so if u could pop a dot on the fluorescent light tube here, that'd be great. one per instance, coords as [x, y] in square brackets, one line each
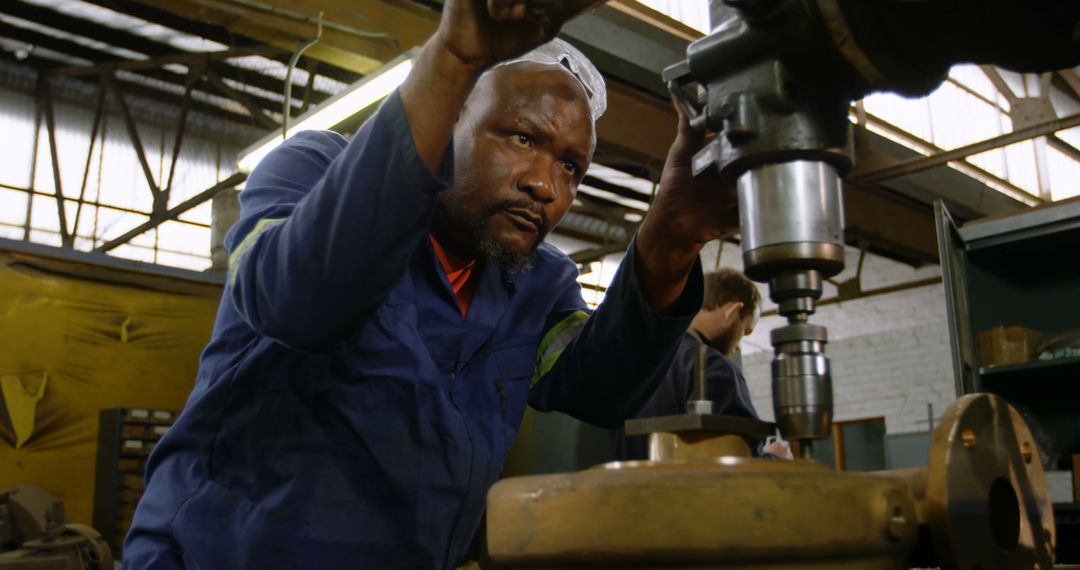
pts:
[358, 96]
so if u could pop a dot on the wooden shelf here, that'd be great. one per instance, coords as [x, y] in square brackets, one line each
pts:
[1058, 367]
[1042, 386]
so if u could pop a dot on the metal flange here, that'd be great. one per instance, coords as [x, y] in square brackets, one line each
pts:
[987, 502]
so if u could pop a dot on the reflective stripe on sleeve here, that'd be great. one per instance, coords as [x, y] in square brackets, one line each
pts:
[555, 342]
[248, 241]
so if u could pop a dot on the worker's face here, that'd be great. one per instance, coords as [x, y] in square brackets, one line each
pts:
[732, 326]
[743, 327]
[522, 145]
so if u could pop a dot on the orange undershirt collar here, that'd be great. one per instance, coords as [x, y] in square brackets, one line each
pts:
[459, 272]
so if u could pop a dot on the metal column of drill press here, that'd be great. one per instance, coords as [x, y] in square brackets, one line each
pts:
[787, 173]
[792, 223]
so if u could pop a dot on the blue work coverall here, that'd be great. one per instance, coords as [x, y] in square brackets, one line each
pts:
[724, 382]
[345, 414]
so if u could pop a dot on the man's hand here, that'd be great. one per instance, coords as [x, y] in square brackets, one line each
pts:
[691, 209]
[778, 447]
[482, 34]
[472, 36]
[688, 212]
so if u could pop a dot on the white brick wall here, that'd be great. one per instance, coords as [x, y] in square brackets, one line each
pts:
[893, 374]
[890, 354]
[902, 309]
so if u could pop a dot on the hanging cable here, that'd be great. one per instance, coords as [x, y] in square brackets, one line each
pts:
[302, 17]
[288, 74]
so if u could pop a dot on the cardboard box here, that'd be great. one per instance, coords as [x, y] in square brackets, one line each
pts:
[1007, 345]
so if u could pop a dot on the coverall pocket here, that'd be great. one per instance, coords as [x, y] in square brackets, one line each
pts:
[516, 367]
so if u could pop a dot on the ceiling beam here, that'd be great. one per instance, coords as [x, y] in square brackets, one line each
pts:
[999, 83]
[655, 19]
[213, 33]
[139, 44]
[890, 225]
[919, 164]
[637, 128]
[620, 191]
[349, 50]
[1063, 147]
[158, 218]
[256, 113]
[1072, 80]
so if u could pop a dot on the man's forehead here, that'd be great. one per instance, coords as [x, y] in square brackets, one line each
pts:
[542, 99]
[527, 83]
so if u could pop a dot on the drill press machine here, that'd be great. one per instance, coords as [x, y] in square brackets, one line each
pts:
[774, 80]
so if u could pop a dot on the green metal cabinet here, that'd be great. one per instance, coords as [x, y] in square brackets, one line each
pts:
[1020, 269]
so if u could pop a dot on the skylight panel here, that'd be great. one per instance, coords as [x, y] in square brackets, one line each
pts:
[79, 40]
[138, 26]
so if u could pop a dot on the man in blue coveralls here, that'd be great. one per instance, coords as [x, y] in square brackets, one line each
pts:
[391, 309]
[730, 311]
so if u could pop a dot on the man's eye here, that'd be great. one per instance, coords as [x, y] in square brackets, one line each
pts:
[523, 140]
[570, 167]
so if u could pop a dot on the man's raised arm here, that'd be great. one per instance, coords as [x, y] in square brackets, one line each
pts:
[327, 229]
[602, 368]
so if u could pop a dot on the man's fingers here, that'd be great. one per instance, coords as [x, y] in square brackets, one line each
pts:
[689, 140]
[684, 120]
[678, 109]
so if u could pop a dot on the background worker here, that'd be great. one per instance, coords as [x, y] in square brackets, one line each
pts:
[391, 307]
[730, 311]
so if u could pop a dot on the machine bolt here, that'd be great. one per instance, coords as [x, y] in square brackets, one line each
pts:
[1026, 452]
[897, 524]
[968, 438]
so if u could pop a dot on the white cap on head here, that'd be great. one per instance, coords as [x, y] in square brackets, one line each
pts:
[558, 52]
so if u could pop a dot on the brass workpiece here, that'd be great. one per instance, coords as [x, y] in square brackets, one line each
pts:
[729, 512]
[666, 446]
[982, 502]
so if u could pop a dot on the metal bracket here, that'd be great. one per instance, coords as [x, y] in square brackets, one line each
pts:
[734, 425]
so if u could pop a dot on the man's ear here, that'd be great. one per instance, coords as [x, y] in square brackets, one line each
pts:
[731, 311]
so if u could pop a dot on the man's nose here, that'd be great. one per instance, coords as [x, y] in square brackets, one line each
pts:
[537, 180]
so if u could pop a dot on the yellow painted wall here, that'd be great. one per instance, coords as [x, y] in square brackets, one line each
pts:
[85, 337]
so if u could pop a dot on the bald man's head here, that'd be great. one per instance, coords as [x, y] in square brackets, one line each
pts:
[551, 88]
[521, 147]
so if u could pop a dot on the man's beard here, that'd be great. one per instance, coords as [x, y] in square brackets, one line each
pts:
[490, 247]
[725, 342]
